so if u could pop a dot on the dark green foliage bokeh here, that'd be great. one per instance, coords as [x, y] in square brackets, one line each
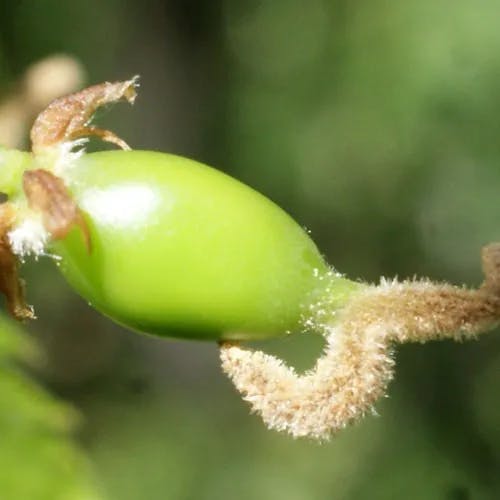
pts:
[376, 124]
[37, 459]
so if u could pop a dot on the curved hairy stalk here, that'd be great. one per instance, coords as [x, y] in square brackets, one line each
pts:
[357, 363]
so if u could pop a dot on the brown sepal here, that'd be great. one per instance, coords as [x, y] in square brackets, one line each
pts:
[11, 286]
[47, 194]
[68, 117]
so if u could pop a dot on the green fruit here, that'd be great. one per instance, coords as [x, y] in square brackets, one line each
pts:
[181, 249]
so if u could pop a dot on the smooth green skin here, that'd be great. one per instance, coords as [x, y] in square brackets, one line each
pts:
[212, 259]
[181, 249]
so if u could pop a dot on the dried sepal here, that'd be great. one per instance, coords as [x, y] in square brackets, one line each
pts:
[68, 118]
[11, 286]
[47, 194]
[43, 81]
[357, 363]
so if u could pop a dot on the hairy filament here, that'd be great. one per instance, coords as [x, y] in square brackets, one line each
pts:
[357, 363]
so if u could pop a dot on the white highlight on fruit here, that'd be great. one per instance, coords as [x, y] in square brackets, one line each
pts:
[29, 238]
[126, 205]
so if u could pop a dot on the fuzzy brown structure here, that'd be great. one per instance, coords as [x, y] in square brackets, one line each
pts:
[357, 363]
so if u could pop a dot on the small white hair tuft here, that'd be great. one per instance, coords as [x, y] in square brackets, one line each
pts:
[29, 237]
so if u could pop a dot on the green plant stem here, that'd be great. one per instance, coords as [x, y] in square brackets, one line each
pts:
[12, 165]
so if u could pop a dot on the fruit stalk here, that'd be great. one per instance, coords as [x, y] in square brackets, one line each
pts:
[358, 363]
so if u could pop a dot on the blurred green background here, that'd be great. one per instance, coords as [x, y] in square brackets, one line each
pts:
[376, 124]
